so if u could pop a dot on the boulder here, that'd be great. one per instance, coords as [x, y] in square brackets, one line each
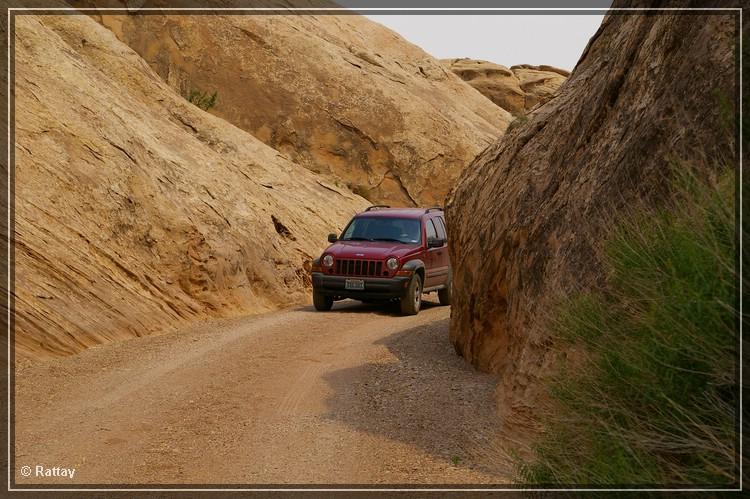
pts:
[138, 212]
[341, 95]
[517, 89]
[529, 215]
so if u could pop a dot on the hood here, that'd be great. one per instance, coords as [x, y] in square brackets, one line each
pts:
[370, 250]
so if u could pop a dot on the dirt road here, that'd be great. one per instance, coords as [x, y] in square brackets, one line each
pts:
[358, 395]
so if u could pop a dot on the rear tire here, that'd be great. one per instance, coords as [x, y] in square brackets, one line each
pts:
[322, 302]
[445, 295]
[412, 299]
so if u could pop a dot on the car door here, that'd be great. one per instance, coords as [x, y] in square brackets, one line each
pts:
[435, 274]
[429, 255]
[441, 262]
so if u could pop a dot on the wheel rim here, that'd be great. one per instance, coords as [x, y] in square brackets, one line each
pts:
[417, 295]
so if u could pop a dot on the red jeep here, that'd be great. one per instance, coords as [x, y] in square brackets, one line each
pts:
[385, 254]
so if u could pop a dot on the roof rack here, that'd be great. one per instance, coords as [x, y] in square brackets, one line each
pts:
[377, 207]
[438, 208]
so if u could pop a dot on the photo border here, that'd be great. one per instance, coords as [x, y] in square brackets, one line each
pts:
[12, 11]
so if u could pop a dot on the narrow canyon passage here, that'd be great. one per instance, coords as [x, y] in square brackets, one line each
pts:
[358, 395]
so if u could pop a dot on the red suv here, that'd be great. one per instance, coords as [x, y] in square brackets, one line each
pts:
[385, 254]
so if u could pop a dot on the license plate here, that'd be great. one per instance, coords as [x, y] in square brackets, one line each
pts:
[354, 284]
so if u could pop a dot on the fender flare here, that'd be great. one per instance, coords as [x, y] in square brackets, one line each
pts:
[414, 265]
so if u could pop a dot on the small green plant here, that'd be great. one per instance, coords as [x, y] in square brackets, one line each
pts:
[653, 398]
[202, 99]
[520, 120]
[360, 190]
[455, 460]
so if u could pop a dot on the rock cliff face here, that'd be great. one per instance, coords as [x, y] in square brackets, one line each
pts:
[529, 213]
[337, 94]
[135, 210]
[517, 89]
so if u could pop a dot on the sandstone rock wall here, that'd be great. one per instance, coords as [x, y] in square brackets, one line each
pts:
[529, 214]
[517, 89]
[337, 94]
[135, 210]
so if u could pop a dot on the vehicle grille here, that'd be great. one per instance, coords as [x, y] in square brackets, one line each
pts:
[359, 267]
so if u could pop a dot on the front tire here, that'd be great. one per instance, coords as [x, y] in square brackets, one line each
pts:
[322, 302]
[412, 299]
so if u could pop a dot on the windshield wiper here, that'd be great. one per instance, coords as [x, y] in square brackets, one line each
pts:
[388, 239]
[357, 239]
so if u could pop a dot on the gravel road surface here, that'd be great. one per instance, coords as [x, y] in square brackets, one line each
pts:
[358, 395]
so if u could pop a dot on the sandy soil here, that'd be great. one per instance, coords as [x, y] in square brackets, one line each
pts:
[358, 395]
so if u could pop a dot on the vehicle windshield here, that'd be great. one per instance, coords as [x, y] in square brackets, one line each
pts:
[401, 230]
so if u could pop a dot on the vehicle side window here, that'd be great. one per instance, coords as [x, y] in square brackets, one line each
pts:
[440, 226]
[430, 229]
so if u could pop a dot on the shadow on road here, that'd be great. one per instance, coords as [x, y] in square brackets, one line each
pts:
[426, 397]
[357, 307]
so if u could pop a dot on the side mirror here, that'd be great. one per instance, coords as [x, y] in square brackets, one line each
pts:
[435, 243]
[332, 238]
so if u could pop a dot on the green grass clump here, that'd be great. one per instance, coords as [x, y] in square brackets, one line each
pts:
[360, 190]
[652, 397]
[518, 121]
[202, 99]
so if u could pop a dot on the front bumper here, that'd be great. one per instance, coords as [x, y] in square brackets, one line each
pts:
[376, 288]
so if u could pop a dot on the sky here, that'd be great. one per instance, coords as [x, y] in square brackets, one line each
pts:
[557, 40]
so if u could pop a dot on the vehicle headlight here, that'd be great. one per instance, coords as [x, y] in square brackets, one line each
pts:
[327, 261]
[392, 263]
